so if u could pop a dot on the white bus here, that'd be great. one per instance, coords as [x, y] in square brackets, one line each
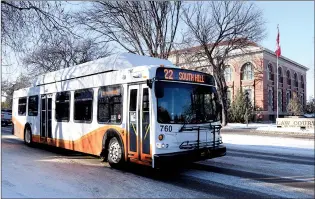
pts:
[123, 108]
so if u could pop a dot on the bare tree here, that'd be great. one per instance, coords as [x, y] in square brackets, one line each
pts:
[62, 53]
[25, 22]
[7, 88]
[222, 28]
[141, 27]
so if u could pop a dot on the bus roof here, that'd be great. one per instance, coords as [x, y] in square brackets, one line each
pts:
[106, 64]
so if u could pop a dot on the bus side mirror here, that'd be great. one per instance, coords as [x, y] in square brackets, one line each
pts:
[149, 83]
[159, 90]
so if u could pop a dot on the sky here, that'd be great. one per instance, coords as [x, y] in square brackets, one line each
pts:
[296, 24]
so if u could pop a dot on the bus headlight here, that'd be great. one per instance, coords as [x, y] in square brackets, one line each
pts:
[161, 137]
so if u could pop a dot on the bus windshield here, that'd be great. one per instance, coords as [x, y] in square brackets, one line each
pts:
[180, 103]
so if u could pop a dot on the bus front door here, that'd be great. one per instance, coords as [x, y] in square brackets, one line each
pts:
[45, 117]
[139, 147]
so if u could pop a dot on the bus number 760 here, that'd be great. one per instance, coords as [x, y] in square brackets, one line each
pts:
[167, 128]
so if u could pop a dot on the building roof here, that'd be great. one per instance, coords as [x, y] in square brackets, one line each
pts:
[251, 44]
[110, 63]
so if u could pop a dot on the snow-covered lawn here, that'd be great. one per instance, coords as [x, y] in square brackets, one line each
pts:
[244, 126]
[266, 127]
[274, 128]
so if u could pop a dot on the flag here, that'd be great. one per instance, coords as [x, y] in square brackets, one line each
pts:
[278, 48]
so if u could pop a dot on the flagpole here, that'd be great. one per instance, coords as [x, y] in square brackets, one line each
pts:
[277, 79]
[277, 89]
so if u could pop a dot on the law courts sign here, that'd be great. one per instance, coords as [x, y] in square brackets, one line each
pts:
[307, 123]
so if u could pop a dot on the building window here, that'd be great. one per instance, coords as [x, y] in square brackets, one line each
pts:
[250, 95]
[228, 74]
[22, 106]
[288, 98]
[83, 105]
[33, 105]
[302, 100]
[229, 95]
[247, 71]
[302, 82]
[280, 100]
[110, 104]
[288, 77]
[296, 83]
[280, 78]
[270, 98]
[62, 113]
[269, 72]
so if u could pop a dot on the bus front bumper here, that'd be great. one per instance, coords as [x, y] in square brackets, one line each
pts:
[178, 158]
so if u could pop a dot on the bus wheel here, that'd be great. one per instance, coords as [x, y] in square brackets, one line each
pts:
[28, 136]
[115, 153]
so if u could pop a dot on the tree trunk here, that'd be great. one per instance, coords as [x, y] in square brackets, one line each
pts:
[224, 112]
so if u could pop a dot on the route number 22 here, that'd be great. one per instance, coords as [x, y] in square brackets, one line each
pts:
[168, 74]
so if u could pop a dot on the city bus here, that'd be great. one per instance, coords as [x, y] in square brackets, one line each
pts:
[123, 108]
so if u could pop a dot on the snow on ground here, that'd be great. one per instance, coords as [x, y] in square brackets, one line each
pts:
[289, 146]
[282, 129]
[266, 127]
[244, 126]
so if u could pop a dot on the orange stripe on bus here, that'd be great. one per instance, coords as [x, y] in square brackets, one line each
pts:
[18, 128]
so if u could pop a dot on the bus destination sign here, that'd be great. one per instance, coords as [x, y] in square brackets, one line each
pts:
[183, 75]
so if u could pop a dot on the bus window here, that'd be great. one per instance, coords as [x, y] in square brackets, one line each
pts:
[62, 113]
[109, 105]
[83, 104]
[22, 106]
[33, 105]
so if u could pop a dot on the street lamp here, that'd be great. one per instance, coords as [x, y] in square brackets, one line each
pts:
[246, 105]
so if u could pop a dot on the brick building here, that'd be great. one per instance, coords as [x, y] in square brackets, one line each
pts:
[254, 70]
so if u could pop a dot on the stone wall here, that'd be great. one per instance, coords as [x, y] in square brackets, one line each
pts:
[307, 123]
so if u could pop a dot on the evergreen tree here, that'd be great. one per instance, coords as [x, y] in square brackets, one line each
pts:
[295, 107]
[241, 108]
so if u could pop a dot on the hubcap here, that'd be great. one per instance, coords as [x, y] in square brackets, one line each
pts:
[28, 136]
[115, 152]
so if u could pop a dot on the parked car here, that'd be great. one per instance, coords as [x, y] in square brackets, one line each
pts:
[6, 117]
[311, 115]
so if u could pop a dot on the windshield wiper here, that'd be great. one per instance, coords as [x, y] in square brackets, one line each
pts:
[182, 128]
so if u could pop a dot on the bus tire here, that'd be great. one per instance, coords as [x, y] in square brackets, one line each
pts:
[28, 136]
[115, 153]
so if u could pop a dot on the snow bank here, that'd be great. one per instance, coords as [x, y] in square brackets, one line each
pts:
[244, 126]
[292, 129]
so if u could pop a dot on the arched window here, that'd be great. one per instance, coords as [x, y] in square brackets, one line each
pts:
[296, 83]
[288, 77]
[302, 82]
[228, 74]
[269, 72]
[247, 71]
[280, 78]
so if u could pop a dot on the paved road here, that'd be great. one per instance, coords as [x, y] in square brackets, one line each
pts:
[248, 171]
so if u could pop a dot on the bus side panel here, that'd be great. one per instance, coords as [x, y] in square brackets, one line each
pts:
[17, 121]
